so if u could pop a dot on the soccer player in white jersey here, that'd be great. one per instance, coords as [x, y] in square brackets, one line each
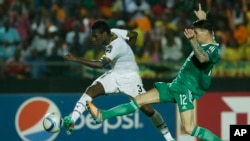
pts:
[122, 76]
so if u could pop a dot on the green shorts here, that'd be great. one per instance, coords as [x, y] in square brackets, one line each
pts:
[171, 92]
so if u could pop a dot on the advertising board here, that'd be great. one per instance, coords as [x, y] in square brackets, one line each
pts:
[23, 115]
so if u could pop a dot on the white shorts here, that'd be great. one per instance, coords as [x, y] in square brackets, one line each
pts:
[129, 83]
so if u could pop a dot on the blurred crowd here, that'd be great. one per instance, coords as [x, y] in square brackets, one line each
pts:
[36, 34]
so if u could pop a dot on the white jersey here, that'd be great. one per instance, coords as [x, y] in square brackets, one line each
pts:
[121, 54]
[124, 76]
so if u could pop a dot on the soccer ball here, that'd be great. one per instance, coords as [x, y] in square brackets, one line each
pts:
[52, 122]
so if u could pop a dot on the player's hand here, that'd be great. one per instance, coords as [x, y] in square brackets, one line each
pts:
[69, 124]
[200, 14]
[189, 33]
[70, 57]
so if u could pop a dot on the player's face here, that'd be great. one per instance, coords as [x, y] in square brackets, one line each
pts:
[97, 37]
[201, 35]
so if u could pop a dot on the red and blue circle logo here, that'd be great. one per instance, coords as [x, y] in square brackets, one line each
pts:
[29, 119]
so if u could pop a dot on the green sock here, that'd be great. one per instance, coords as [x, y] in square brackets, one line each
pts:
[204, 134]
[120, 110]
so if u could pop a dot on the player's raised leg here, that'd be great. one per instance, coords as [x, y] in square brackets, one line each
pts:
[151, 96]
[69, 121]
[120, 110]
[92, 91]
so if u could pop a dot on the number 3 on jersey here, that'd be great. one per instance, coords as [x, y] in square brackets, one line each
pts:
[139, 89]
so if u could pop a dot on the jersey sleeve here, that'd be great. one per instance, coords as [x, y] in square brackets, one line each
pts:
[213, 53]
[112, 51]
[121, 32]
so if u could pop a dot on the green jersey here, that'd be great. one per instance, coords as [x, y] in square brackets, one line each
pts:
[196, 76]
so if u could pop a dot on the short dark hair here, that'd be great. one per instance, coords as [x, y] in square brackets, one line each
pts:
[203, 24]
[101, 26]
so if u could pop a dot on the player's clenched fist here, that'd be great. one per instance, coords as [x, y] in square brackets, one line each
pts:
[70, 57]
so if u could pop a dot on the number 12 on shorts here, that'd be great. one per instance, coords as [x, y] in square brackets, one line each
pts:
[183, 99]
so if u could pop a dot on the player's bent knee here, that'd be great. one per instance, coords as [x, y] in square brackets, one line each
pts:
[95, 90]
[188, 129]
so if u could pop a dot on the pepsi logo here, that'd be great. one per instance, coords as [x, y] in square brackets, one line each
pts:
[29, 118]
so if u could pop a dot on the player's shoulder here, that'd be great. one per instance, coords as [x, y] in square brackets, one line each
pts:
[215, 46]
[211, 46]
[214, 52]
[117, 30]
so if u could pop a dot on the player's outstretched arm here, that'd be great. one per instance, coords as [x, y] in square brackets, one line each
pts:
[200, 14]
[89, 63]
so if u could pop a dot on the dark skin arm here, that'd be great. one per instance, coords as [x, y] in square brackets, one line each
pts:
[132, 37]
[97, 63]
[90, 63]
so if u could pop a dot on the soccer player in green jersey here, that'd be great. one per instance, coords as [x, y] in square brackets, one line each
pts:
[192, 81]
